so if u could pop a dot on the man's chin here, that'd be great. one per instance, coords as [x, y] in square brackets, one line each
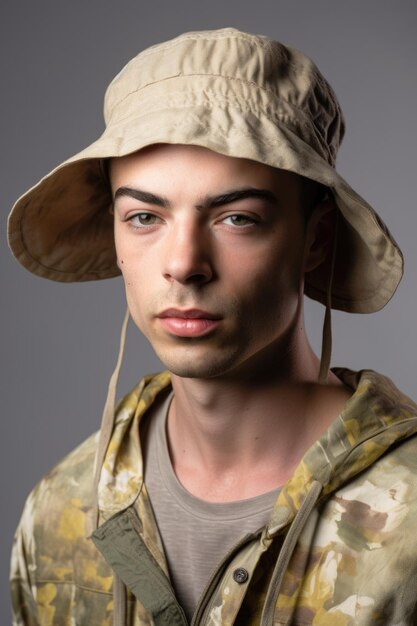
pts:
[202, 367]
[187, 370]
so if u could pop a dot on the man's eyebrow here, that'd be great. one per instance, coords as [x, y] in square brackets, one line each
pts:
[143, 196]
[210, 202]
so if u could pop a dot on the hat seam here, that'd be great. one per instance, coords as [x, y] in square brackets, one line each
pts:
[304, 122]
[212, 75]
[192, 36]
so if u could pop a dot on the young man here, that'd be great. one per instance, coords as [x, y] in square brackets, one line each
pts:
[248, 484]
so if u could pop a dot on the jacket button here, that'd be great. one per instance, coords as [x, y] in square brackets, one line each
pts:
[240, 575]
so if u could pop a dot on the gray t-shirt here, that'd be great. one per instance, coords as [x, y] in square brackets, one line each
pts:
[196, 534]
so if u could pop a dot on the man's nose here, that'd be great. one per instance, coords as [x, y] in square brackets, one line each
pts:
[187, 254]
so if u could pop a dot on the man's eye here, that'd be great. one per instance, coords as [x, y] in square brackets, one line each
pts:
[143, 219]
[238, 220]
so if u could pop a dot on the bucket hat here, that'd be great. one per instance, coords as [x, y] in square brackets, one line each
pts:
[238, 94]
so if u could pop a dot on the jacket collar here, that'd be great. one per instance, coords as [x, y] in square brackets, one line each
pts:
[376, 417]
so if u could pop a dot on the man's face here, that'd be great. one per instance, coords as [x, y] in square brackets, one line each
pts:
[211, 249]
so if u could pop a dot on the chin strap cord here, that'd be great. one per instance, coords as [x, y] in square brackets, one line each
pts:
[106, 430]
[293, 535]
[326, 346]
[107, 422]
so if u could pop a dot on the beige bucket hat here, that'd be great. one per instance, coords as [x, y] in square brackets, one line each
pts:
[238, 94]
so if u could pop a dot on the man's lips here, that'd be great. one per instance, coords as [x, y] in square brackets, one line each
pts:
[188, 322]
[192, 314]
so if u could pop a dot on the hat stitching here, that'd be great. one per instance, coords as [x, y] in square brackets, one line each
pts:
[302, 122]
[211, 75]
[224, 100]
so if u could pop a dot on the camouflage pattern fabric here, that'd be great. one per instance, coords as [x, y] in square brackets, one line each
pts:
[353, 562]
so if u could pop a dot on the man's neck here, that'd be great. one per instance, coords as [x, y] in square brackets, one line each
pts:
[232, 439]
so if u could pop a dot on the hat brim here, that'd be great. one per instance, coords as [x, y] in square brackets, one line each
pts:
[62, 228]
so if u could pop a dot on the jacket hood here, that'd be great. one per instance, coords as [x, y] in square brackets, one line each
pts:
[377, 417]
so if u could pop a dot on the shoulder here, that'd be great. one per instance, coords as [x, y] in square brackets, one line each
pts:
[72, 478]
[382, 460]
[389, 485]
[67, 485]
[372, 517]
[55, 568]
[54, 524]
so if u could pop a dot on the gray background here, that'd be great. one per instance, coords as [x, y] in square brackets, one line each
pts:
[59, 342]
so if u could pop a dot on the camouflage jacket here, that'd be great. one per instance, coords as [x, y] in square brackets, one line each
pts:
[340, 548]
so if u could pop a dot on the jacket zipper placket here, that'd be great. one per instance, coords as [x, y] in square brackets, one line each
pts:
[162, 574]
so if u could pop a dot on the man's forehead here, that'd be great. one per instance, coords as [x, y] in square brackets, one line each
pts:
[157, 173]
[195, 158]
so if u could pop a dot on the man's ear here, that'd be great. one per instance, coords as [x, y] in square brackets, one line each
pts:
[320, 233]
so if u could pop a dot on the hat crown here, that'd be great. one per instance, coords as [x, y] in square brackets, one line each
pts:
[274, 72]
